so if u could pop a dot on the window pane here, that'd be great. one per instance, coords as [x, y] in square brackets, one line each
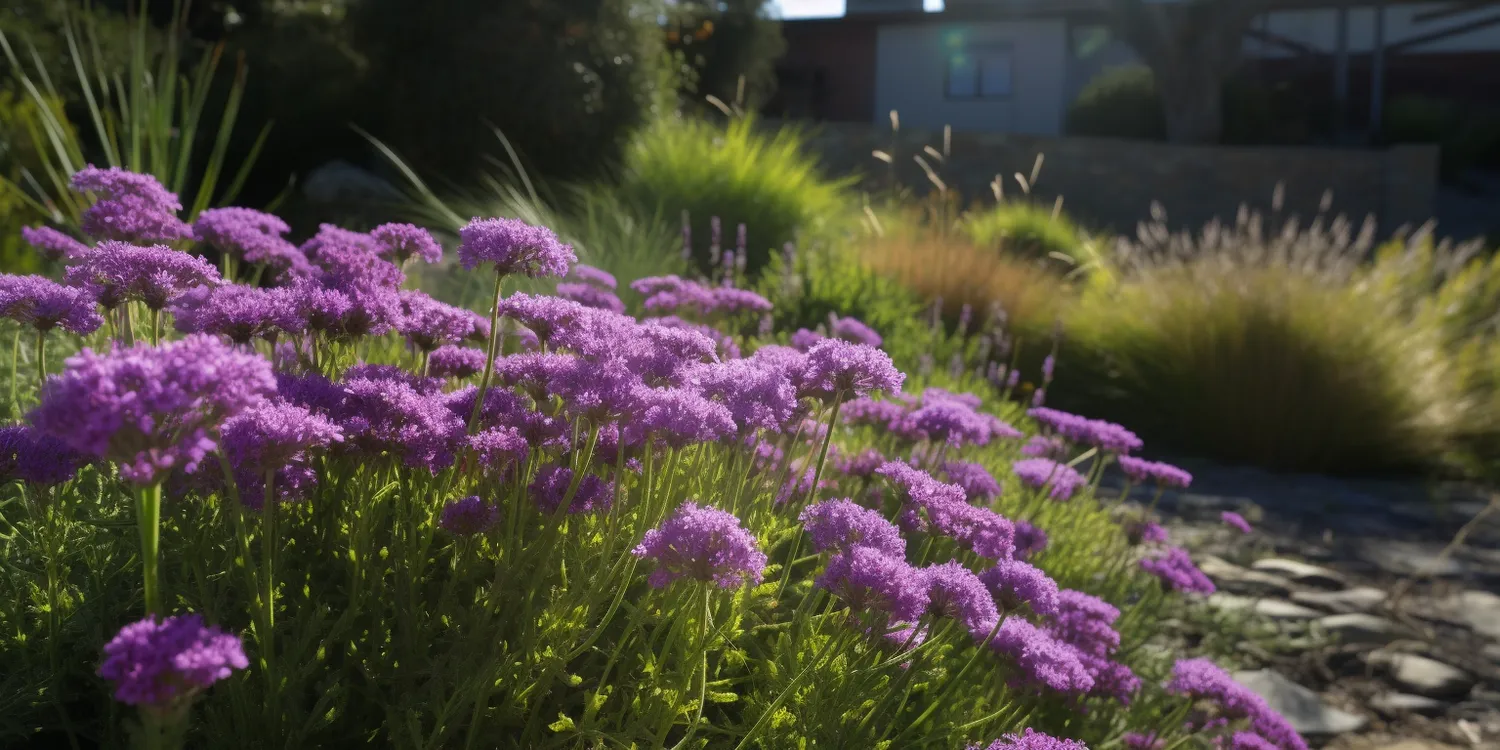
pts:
[994, 76]
[963, 76]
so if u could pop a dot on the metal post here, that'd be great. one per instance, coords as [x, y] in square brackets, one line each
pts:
[1377, 70]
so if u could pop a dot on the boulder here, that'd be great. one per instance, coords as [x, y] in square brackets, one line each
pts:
[341, 182]
[1418, 745]
[1481, 610]
[1396, 704]
[1360, 628]
[1410, 558]
[1357, 599]
[1306, 712]
[1280, 609]
[1419, 674]
[1301, 573]
[1237, 580]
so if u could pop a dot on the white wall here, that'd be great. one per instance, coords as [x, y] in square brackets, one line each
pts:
[911, 68]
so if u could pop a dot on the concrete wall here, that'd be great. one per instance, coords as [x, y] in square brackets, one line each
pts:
[912, 64]
[1108, 183]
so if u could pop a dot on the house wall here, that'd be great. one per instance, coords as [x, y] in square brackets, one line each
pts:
[828, 72]
[911, 69]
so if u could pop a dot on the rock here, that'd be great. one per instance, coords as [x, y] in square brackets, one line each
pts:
[1306, 712]
[1418, 745]
[1279, 609]
[1419, 674]
[1300, 572]
[1362, 628]
[1408, 558]
[1236, 580]
[1357, 599]
[1481, 610]
[1492, 652]
[341, 182]
[1229, 602]
[1395, 704]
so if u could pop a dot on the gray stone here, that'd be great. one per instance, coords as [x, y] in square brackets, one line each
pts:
[1279, 609]
[1418, 745]
[1421, 675]
[1300, 572]
[341, 182]
[1357, 599]
[1395, 704]
[1409, 558]
[1481, 610]
[1362, 628]
[1306, 712]
[1236, 580]
[1230, 602]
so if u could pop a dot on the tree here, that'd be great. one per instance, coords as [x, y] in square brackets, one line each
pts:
[1192, 47]
[718, 44]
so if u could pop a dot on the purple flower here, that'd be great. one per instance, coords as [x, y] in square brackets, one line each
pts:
[1040, 473]
[840, 369]
[391, 416]
[1029, 540]
[1039, 397]
[1203, 680]
[129, 206]
[678, 417]
[1247, 741]
[589, 295]
[514, 246]
[855, 332]
[784, 358]
[115, 272]
[704, 544]
[869, 580]
[499, 448]
[1139, 741]
[839, 525]
[602, 391]
[1044, 446]
[758, 397]
[240, 313]
[729, 300]
[270, 435]
[951, 422]
[868, 411]
[31, 456]
[428, 324]
[400, 242]
[804, 340]
[1165, 475]
[44, 304]
[53, 244]
[1031, 740]
[977, 482]
[1176, 570]
[1085, 622]
[331, 236]
[1049, 365]
[1013, 583]
[1144, 531]
[163, 664]
[350, 266]
[660, 354]
[469, 517]
[862, 465]
[451, 361]
[555, 321]
[150, 409]
[954, 591]
[1042, 660]
[251, 235]
[594, 493]
[591, 275]
[728, 349]
[1236, 521]
[1107, 436]
[534, 372]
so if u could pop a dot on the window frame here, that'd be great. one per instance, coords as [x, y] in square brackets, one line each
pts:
[978, 52]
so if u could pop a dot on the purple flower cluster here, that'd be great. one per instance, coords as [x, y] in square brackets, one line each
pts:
[1031, 740]
[53, 244]
[469, 516]
[116, 272]
[252, 236]
[451, 361]
[1087, 624]
[1165, 475]
[1203, 680]
[953, 591]
[594, 276]
[1107, 436]
[931, 505]
[551, 486]
[1236, 521]
[162, 664]
[129, 206]
[1046, 446]
[1176, 570]
[32, 456]
[1062, 480]
[1042, 660]
[402, 242]
[239, 313]
[870, 581]
[1030, 540]
[840, 369]
[803, 339]
[978, 484]
[428, 324]
[855, 332]
[1144, 531]
[514, 247]
[152, 409]
[589, 295]
[272, 436]
[44, 305]
[1014, 584]
[840, 525]
[672, 294]
[704, 544]
[757, 396]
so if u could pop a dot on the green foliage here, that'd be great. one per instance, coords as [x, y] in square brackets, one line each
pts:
[1121, 102]
[16, 158]
[1027, 230]
[1468, 136]
[728, 50]
[741, 173]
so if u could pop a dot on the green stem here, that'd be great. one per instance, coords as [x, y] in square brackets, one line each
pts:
[268, 554]
[787, 692]
[703, 669]
[148, 519]
[155, 327]
[127, 328]
[490, 353]
[15, 359]
[41, 361]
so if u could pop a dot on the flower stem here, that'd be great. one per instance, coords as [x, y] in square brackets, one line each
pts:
[15, 359]
[148, 519]
[41, 361]
[490, 353]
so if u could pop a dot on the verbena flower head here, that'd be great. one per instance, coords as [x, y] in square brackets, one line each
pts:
[1030, 540]
[589, 295]
[855, 332]
[1107, 436]
[593, 495]
[836, 367]
[1031, 740]
[151, 409]
[115, 272]
[514, 246]
[129, 206]
[784, 358]
[1236, 521]
[804, 340]
[1144, 531]
[758, 397]
[1143, 741]
[555, 321]
[954, 591]
[44, 304]
[349, 266]
[394, 417]
[1013, 584]
[253, 236]
[978, 484]
[240, 313]
[1062, 481]
[1046, 446]
[1203, 680]
[499, 448]
[678, 417]
[31, 456]
[1043, 661]
[591, 275]
[428, 324]
[332, 235]
[1085, 622]
[661, 355]
[728, 300]
[951, 422]
[727, 348]
[1176, 570]
[603, 391]
[862, 464]
[272, 434]
[53, 244]
[469, 516]
[401, 242]
[163, 664]
[870, 581]
[704, 544]
[1165, 475]
[452, 361]
[868, 411]
[840, 525]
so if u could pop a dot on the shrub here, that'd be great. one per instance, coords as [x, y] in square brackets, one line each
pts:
[1026, 230]
[740, 173]
[1467, 135]
[1121, 102]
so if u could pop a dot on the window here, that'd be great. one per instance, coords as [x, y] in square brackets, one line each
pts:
[982, 73]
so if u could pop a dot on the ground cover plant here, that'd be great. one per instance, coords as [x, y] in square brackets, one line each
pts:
[286, 501]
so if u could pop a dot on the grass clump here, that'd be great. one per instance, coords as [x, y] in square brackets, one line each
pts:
[1027, 230]
[739, 173]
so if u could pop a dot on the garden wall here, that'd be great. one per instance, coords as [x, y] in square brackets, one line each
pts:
[1111, 183]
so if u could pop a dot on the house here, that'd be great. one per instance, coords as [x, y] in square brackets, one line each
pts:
[1015, 65]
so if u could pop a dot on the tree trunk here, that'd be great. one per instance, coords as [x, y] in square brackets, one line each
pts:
[1193, 102]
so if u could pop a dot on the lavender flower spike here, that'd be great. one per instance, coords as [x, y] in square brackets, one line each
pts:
[704, 544]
